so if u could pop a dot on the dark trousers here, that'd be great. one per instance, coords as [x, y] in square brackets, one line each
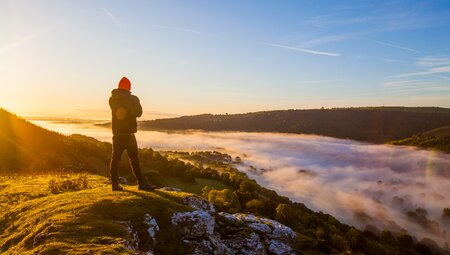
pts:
[120, 143]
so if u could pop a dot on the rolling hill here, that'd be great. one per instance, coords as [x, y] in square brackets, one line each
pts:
[371, 124]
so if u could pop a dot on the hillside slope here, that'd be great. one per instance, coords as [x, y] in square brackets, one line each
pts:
[27, 147]
[372, 124]
[438, 139]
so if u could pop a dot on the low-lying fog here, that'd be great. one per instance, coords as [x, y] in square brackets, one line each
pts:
[361, 184]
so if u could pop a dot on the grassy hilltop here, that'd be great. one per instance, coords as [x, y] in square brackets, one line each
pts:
[89, 221]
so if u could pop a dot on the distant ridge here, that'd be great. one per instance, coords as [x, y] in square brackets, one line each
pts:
[371, 124]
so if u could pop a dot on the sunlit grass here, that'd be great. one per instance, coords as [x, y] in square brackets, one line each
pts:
[78, 222]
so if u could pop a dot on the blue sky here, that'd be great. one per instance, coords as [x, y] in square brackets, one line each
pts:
[189, 57]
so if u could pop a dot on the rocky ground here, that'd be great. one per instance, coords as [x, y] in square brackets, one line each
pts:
[206, 231]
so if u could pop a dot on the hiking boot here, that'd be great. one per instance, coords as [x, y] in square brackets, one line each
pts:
[146, 186]
[117, 187]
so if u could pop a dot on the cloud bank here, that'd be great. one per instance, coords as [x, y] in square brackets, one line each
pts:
[390, 187]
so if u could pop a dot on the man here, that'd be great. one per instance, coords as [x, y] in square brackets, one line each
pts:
[125, 109]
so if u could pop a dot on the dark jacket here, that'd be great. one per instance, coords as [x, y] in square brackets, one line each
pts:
[125, 108]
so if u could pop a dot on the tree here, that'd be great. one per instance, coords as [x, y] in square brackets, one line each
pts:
[248, 186]
[255, 206]
[225, 200]
[388, 238]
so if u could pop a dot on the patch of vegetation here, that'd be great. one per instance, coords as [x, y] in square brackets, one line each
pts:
[436, 139]
[68, 183]
[196, 187]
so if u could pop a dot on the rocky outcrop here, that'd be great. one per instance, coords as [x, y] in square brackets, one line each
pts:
[131, 240]
[199, 204]
[194, 224]
[204, 231]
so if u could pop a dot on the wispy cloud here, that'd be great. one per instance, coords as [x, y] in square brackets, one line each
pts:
[323, 81]
[430, 71]
[322, 53]
[404, 83]
[179, 29]
[325, 21]
[393, 45]
[328, 39]
[430, 67]
[432, 76]
[111, 16]
[23, 40]
[433, 61]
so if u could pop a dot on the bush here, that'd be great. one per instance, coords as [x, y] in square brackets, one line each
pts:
[255, 206]
[248, 186]
[225, 200]
[63, 184]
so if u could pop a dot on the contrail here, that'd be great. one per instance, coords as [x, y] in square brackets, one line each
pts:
[322, 53]
[111, 16]
[393, 45]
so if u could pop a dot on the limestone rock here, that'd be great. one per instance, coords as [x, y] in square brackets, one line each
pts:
[261, 225]
[152, 225]
[199, 204]
[247, 245]
[194, 224]
[279, 248]
[223, 233]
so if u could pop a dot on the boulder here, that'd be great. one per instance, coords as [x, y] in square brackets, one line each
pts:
[224, 233]
[246, 243]
[194, 224]
[199, 203]
[279, 248]
[207, 246]
[152, 225]
[264, 226]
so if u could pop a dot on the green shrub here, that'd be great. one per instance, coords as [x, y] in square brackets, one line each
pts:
[255, 206]
[225, 200]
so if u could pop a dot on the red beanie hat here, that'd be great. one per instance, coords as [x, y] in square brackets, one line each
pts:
[125, 84]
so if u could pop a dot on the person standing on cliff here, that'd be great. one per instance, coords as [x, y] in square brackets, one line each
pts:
[125, 109]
